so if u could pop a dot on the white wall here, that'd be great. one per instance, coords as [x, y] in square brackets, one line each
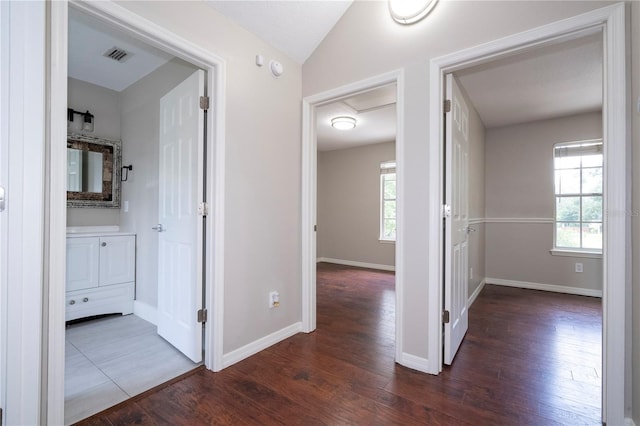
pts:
[262, 135]
[344, 56]
[519, 185]
[349, 205]
[140, 117]
[104, 105]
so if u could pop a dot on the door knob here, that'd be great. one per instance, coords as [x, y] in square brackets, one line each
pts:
[158, 228]
[470, 229]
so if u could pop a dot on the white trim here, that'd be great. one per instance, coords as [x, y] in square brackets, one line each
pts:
[261, 344]
[545, 287]
[23, 222]
[573, 253]
[477, 221]
[476, 293]
[413, 362]
[525, 220]
[92, 229]
[145, 311]
[157, 36]
[629, 422]
[357, 264]
[309, 182]
[53, 411]
[617, 242]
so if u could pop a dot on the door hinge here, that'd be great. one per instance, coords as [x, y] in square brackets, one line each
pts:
[315, 228]
[202, 315]
[203, 209]
[447, 106]
[446, 210]
[204, 102]
[445, 317]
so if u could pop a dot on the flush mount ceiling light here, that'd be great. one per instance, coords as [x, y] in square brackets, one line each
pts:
[410, 11]
[343, 123]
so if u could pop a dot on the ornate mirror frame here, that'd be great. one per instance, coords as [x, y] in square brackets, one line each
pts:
[111, 151]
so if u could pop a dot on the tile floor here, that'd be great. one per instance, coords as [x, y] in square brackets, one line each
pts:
[111, 359]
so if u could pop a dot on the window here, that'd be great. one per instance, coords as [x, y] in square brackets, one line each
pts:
[578, 196]
[388, 201]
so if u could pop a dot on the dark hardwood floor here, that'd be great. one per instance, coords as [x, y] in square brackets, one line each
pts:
[529, 358]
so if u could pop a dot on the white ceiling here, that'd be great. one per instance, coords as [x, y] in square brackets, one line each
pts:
[552, 81]
[90, 38]
[294, 27]
[374, 111]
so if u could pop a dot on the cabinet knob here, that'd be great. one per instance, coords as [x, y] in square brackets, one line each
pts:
[73, 302]
[103, 244]
[86, 299]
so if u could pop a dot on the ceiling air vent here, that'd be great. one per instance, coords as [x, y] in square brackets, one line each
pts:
[117, 54]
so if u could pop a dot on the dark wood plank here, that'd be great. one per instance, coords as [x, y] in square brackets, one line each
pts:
[529, 358]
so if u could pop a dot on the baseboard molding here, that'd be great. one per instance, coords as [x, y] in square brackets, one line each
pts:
[258, 345]
[629, 422]
[415, 363]
[357, 264]
[545, 287]
[476, 293]
[145, 311]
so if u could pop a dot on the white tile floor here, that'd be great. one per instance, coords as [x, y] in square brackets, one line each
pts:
[111, 359]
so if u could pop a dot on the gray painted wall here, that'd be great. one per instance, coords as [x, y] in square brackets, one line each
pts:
[349, 204]
[262, 170]
[104, 104]
[519, 185]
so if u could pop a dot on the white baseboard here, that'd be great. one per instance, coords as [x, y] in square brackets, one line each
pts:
[629, 422]
[545, 287]
[145, 311]
[263, 343]
[357, 264]
[476, 292]
[415, 363]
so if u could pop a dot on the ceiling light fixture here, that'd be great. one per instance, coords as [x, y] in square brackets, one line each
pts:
[410, 11]
[343, 123]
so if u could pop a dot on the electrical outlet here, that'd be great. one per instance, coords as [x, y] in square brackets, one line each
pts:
[274, 299]
[578, 267]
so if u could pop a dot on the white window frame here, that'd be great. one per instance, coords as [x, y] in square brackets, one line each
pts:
[574, 251]
[387, 168]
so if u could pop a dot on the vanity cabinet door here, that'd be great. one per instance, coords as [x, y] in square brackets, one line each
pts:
[82, 263]
[117, 259]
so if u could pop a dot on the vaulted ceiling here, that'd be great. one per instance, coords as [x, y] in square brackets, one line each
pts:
[551, 81]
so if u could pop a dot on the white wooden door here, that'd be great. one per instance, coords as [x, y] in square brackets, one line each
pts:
[457, 221]
[180, 227]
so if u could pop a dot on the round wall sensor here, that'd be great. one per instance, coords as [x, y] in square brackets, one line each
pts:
[276, 68]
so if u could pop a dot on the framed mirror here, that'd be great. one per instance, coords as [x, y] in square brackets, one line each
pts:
[93, 171]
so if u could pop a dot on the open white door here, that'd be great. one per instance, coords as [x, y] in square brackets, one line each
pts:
[456, 274]
[180, 228]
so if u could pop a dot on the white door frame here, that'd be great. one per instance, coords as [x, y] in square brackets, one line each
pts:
[22, 224]
[309, 191]
[617, 242]
[157, 36]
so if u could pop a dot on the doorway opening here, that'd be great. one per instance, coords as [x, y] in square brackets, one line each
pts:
[615, 240]
[175, 184]
[356, 213]
[372, 99]
[511, 194]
